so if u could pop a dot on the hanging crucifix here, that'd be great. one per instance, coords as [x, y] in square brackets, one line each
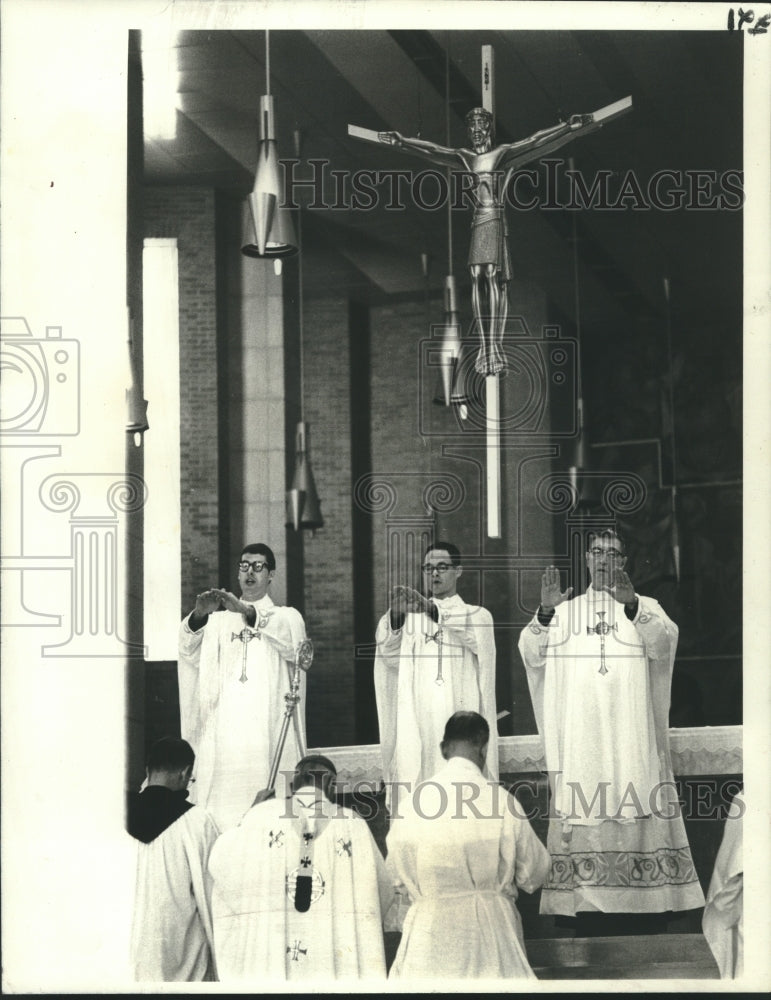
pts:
[489, 261]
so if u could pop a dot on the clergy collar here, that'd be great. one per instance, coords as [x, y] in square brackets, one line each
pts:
[264, 602]
[448, 602]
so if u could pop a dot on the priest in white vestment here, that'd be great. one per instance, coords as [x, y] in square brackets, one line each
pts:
[599, 668]
[171, 935]
[461, 851]
[300, 890]
[723, 919]
[236, 659]
[434, 656]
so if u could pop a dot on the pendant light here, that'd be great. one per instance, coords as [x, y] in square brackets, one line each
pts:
[452, 352]
[303, 504]
[269, 229]
[580, 459]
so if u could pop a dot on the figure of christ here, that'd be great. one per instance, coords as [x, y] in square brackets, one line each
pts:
[489, 259]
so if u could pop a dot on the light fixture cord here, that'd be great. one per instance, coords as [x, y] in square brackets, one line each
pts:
[301, 313]
[671, 380]
[577, 298]
[267, 61]
[449, 171]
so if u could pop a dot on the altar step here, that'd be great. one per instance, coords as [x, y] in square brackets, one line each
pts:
[647, 956]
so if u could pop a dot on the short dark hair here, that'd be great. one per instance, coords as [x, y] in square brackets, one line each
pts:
[467, 727]
[170, 754]
[452, 550]
[606, 533]
[259, 549]
[311, 769]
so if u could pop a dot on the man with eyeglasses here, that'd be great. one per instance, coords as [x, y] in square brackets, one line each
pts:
[236, 658]
[599, 668]
[435, 656]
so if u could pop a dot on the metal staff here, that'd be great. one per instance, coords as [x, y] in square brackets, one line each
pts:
[302, 661]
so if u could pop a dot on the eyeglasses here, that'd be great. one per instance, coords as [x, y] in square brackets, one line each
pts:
[439, 568]
[610, 553]
[245, 566]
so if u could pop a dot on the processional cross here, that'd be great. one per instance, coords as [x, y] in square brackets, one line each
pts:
[489, 260]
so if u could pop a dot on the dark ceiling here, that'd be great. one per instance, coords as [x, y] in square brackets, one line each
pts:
[687, 116]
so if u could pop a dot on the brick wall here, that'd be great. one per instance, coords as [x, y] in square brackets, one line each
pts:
[329, 585]
[415, 442]
[187, 213]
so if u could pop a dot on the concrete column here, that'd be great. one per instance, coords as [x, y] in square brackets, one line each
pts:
[256, 402]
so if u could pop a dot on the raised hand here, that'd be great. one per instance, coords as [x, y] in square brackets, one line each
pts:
[551, 595]
[230, 602]
[623, 588]
[207, 602]
[405, 599]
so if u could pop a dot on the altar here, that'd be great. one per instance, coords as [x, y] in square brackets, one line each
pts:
[697, 751]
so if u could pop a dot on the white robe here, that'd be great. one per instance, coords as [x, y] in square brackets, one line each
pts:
[259, 936]
[171, 933]
[461, 851]
[412, 707]
[723, 919]
[601, 703]
[234, 725]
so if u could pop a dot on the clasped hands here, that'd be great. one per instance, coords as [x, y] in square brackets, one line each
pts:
[217, 599]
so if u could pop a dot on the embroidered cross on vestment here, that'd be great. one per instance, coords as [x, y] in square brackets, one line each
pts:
[602, 628]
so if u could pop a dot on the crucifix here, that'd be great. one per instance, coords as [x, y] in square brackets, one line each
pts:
[247, 634]
[602, 628]
[489, 260]
[438, 638]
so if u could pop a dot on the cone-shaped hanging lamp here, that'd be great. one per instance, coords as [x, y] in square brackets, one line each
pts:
[136, 418]
[271, 233]
[136, 421]
[580, 458]
[461, 394]
[674, 536]
[303, 504]
[451, 340]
